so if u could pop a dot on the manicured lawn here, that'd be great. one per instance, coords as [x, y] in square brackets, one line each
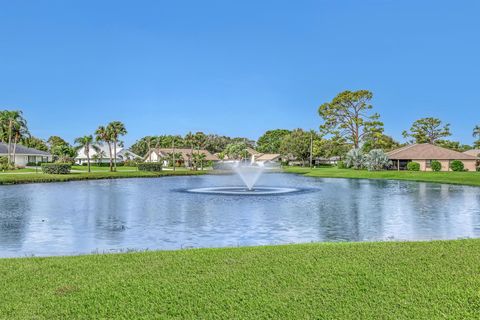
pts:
[423, 280]
[102, 169]
[15, 178]
[20, 170]
[467, 178]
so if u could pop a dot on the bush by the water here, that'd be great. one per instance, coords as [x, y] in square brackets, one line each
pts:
[355, 159]
[56, 168]
[457, 165]
[413, 166]
[436, 166]
[376, 160]
[4, 164]
[341, 165]
[150, 166]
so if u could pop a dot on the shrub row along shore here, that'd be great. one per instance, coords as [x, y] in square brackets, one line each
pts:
[21, 178]
[461, 178]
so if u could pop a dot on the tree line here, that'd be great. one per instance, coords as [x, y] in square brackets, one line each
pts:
[348, 122]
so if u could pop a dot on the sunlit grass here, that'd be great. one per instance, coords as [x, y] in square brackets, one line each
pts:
[423, 280]
[466, 178]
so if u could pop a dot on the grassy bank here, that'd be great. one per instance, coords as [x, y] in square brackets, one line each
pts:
[465, 178]
[424, 280]
[18, 178]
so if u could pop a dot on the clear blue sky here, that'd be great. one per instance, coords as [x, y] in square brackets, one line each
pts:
[236, 67]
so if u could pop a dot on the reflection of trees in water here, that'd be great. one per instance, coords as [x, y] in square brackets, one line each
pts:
[110, 223]
[14, 217]
[353, 212]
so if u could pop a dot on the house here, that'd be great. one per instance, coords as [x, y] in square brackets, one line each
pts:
[329, 161]
[101, 153]
[262, 158]
[185, 156]
[24, 155]
[425, 153]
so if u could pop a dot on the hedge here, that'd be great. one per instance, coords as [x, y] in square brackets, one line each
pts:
[436, 165]
[457, 165]
[56, 168]
[150, 166]
[413, 166]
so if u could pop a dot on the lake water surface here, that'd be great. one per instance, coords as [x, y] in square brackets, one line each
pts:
[114, 215]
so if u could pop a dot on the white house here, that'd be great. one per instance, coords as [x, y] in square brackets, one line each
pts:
[101, 153]
[24, 155]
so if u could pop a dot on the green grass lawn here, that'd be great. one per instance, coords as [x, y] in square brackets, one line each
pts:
[20, 170]
[466, 178]
[392, 280]
[16, 178]
[102, 169]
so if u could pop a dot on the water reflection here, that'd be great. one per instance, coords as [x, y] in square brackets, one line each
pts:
[82, 217]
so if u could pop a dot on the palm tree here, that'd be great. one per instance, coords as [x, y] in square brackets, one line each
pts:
[116, 129]
[20, 131]
[85, 142]
[190, 141]
[13, 125]
[476, 131]
[103, 135]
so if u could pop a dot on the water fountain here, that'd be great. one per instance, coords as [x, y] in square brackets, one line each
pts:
[249, 173]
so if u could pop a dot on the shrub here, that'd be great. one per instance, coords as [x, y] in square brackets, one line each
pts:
[457, 165]
[355, 159]
[436, 166]
[341, 165]
[130, 163]
[413, 166]
[376, 160]
[105, 164]
[150, 166]
[3, 163]
[34, 164]
[56, 168]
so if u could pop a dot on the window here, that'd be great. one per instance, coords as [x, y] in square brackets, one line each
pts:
[428, 163]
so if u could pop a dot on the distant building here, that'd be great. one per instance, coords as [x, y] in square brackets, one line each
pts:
[24, 155]
[185, 156]
[262, 158]
[425, 153]
[102, 154]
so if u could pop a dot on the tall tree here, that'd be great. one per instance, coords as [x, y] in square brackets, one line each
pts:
[382, 141]
[103, 135]
[116, 129]
[35, 143]
[12, 126]
[86, 143]
[271, 140]
[297, 144]
[428, 130]
[348, 115]
[476, 134]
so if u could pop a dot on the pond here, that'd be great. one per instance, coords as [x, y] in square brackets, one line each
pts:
[117, 215]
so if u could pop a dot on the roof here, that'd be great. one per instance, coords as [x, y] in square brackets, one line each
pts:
[103, 147]
[427, 151]
[266, 157]
[186, 153]
[22, 150]
[473, 152]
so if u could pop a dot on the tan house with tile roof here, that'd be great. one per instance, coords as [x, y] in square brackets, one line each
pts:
[425, 153]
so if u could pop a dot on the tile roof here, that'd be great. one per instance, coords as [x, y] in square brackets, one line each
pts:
[473, 152]
[427, 151]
